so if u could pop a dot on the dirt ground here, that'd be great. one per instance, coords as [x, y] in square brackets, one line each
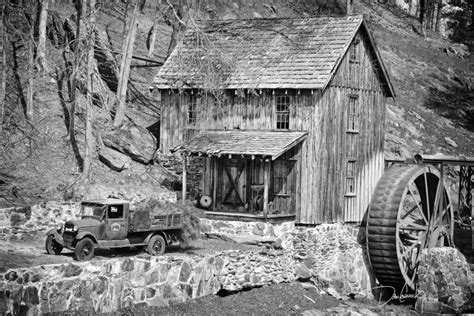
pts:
[30, 251]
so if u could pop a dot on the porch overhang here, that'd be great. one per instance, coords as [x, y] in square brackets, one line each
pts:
[255, 143]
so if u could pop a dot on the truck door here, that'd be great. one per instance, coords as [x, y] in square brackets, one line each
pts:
[116, 223]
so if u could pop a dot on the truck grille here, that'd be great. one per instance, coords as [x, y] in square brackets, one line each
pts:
[68, 227]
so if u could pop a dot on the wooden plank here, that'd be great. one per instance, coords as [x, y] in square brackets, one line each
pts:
[266, 186]
[184, 156]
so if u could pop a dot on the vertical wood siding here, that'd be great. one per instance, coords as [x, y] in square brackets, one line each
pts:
[320, 186]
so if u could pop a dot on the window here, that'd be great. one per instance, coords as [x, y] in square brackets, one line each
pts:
[115, 211]
[350, 177]
[283, 112]
[354, 52]
[353, 114]
[280, 176]
[192, 110]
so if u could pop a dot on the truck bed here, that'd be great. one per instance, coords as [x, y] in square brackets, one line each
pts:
[145, 221]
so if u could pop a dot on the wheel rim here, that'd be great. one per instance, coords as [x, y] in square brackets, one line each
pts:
[421, 223]
[157, 245]
[86, 250]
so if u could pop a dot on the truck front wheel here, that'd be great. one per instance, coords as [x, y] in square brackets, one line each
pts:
[156, 245]
[52, 246]
[84, 249]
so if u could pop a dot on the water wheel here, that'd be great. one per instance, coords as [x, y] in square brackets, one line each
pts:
[410, 210]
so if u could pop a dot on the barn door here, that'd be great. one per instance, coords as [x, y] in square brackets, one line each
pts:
[233, 177]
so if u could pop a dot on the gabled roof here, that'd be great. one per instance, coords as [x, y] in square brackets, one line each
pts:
[285, 53]
[271, 144]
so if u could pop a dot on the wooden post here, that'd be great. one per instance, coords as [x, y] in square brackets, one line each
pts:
[266, 186]
[215, 172]
[184, 175]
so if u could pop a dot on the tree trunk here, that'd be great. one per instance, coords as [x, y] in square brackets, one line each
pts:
[423, 16]
[4, 71]
[438, 15]
[41, 52]
[75, 70]
[127, 53]
[178, 23]
[90, 65]
[31, 66]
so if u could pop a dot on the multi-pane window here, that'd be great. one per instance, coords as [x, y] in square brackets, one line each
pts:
[350, 177]
[192, 110]
[280, 176]
[283, 112]
[353, 113]
[354, 51]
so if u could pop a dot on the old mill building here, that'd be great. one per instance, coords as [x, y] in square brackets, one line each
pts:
[286, 116]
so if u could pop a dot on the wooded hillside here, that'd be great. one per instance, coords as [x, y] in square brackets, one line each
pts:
[77, 117]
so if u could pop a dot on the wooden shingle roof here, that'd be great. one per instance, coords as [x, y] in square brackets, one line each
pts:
[242, 142]
[285, 53]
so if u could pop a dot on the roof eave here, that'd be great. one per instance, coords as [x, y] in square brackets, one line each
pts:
[388, 85]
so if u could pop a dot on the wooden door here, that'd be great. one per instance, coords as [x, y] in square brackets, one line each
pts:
[233, 184]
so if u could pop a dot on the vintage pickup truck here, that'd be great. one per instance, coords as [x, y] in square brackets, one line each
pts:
[110, 223]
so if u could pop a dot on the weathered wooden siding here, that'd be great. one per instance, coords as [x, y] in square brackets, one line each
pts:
[361, 79]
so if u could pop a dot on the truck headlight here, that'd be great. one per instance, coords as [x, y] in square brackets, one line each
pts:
[75, 228]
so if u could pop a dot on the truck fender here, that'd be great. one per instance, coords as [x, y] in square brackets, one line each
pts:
[57, 236]
[82, 235]
[163, 234]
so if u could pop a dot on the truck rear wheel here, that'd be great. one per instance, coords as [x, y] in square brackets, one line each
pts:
[156, 245]
[52, 246]
[84, 249]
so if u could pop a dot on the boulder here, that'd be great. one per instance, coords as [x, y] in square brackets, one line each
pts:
[113, 159]
[134, 141]
[444, 280]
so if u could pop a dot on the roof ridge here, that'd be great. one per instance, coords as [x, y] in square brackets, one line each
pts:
[284, 18]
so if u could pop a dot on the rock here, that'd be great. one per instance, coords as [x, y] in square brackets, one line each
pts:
[302, 272]
[331, 291]
[133, 140]
[114, 159]
[450, 142]
[444, 279]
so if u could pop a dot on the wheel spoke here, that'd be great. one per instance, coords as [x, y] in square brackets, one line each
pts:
[428, 207]
[413, 226]
[420, 209]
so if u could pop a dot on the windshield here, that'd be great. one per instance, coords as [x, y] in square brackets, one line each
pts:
[93, 210]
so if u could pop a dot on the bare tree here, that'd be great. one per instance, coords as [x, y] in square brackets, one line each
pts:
[31, 66]
[4, 69]
[41, 52]
[127, 52]
[176, 15]
[90, 66]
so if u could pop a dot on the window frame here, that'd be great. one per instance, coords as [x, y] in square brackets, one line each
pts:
[353, 121]
[354, 52]
[192, 110]
[350, 178]
[282, 114]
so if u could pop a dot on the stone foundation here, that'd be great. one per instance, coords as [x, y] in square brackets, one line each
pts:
[334, 257]
[327, 255]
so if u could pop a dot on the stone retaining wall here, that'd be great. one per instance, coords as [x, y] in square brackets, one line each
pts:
[106, 286]
[327, 255]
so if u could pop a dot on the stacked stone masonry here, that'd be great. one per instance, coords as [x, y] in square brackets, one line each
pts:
[327, 255]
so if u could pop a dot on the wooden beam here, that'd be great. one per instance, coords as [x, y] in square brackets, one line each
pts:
[185, 158]
[266, 187]
[215, 172]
